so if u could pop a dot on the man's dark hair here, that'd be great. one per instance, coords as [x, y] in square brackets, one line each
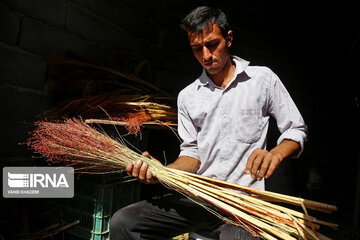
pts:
[203, 17]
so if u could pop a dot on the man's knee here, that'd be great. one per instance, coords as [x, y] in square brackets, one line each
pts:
[122, 222]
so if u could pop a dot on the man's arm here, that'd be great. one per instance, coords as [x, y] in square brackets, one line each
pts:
[188, 133]
[267, 161]
[262, 163]
[140, 169]
[185, 163]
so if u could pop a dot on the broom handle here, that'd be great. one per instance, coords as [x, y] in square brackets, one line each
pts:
[323, 207]
[120, 123]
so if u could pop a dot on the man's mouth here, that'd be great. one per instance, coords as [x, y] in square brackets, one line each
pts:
[209, 63]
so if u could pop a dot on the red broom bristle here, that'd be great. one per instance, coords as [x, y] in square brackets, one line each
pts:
[134, 121]
[69, 141]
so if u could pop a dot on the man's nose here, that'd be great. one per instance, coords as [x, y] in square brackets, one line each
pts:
[206, 54]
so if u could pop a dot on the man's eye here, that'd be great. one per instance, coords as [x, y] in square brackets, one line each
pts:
[196, 49]
[212, 45]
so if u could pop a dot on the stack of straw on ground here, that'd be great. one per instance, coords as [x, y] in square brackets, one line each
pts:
[75, 143]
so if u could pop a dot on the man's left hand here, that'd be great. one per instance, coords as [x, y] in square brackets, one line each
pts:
[262, 163]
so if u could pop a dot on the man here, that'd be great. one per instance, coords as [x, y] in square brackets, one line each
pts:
[223, 118]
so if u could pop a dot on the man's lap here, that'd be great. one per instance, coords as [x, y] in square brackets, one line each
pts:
[164, 217]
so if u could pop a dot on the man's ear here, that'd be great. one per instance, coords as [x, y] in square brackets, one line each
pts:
[229, 38]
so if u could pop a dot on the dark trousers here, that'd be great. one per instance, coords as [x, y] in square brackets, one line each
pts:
[167, 216]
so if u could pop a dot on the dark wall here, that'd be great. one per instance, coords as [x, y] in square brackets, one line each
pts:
[117, 34]
[314, 48]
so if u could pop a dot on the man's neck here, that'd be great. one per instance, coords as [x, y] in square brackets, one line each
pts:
[222, 78]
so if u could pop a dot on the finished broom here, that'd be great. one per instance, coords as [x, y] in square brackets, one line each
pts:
[75, 143]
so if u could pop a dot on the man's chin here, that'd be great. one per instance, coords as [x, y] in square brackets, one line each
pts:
[212, 68]
[212, 71]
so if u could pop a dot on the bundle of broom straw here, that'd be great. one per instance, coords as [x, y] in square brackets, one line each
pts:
[75, 143]
[132, 111]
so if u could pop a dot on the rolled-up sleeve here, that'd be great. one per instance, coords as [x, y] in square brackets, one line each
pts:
[289, 120]
[187, 131]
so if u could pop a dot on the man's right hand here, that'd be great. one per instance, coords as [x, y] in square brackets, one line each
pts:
[140, 170]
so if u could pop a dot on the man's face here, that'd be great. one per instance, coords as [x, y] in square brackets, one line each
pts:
[210, 48]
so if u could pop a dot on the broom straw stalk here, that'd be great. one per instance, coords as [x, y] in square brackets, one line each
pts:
[243, 206]
[272, 195]
[276, 218]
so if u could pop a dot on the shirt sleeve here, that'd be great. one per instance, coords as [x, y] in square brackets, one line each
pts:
[187, 131]
[288, 118]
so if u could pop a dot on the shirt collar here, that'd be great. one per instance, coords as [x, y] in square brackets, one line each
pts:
[240, 66]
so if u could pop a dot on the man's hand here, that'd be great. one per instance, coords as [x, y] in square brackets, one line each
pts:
[263, 161]
[140, 170]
